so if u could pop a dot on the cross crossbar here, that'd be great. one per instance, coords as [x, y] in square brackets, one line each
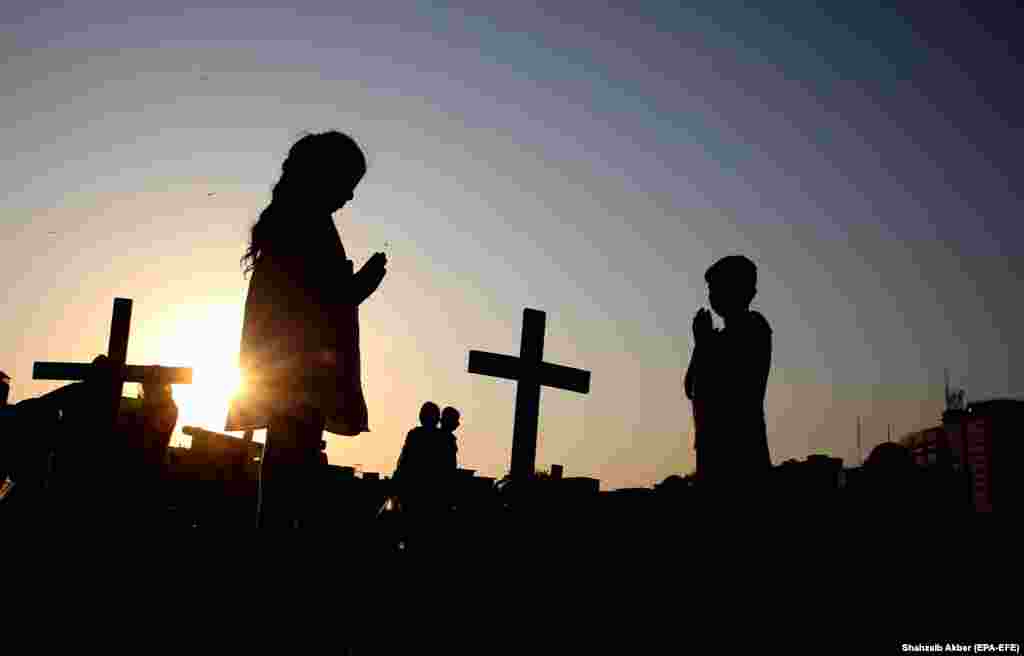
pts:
[130, 373]
[511, 368]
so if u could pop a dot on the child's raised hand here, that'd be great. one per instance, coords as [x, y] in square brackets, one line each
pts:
[377, 261]
[376, 267]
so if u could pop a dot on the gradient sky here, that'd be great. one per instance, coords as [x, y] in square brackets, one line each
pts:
[587, 162]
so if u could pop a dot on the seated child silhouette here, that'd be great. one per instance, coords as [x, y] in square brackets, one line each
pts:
[727, 378]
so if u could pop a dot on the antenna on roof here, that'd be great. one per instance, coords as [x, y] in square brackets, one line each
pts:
[955, 397]
[860, 451]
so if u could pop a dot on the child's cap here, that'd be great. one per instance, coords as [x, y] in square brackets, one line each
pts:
[733, 269]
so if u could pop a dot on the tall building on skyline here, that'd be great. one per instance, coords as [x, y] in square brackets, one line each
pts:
[978, 439]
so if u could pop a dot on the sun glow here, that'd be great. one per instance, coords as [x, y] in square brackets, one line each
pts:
[204, 403]
[206, 339]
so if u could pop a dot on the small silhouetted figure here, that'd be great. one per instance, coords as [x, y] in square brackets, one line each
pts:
[448, 449]
[726, 381]
[448, 456]
[299, 353]
[414, 467]
[424, 475]
[889, 481]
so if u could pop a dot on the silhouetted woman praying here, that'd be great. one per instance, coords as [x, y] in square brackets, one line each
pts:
[299, 353]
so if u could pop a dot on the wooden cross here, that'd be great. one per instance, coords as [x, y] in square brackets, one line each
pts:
[117, 352]
[530, 372]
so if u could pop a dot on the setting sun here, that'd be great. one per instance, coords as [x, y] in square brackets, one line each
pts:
[206, 339]
[204, 403]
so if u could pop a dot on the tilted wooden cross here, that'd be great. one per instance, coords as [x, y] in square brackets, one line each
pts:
[531, 372]
[117, 351]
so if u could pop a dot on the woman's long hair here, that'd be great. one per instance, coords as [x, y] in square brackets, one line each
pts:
[322, 158]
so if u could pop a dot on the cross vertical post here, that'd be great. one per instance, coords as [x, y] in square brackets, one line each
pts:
[527, 416]
[120, 323]
[117, 354]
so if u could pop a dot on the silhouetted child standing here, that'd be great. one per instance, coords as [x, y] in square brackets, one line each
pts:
[414, 464]
[299, 354]
[415, 475]
[448, 454]
[448, 451]
[727, 377]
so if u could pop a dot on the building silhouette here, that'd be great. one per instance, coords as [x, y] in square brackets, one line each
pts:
[979, 442]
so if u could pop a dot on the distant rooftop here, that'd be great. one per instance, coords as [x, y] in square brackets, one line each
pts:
[996, 405]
